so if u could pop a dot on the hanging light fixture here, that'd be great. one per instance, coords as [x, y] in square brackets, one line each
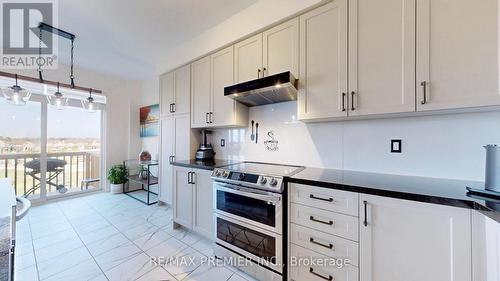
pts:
[16, 95]
[57, 100]
[88, 103]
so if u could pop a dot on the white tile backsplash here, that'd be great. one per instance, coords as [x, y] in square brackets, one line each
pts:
[443, 146]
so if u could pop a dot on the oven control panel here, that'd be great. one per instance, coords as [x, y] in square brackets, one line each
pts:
[253, 180]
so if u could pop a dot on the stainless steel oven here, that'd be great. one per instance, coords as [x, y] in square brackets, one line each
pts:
[249, 222]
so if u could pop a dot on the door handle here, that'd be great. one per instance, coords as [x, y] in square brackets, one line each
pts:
[352, 100]
[365, 221]
[258, 73]
[192, 178]
[171, 159]
[329, 246]
[211, 117]
[174, 107]
[343, 101]
[319, 198]
[264, 72]
[189, 177]
[320, 221]
[171, 109]
[424, 88]
[206, 117]
[329, 278]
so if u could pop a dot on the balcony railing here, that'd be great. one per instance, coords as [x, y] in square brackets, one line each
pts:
[79, 166]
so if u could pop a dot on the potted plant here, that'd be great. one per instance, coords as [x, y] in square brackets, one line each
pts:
[117, 177]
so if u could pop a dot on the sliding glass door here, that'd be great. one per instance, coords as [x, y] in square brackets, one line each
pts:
[49, 152]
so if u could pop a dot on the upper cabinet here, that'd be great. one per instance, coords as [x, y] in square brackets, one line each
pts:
[457, 54]
[210, 108]
[280, 50]
[175, 88]
[381, 57]
[271, 52]
[323, 62]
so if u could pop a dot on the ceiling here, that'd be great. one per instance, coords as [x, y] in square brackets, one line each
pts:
[126, 38]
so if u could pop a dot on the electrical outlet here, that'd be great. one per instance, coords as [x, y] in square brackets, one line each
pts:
[222, 142]
[396, 146]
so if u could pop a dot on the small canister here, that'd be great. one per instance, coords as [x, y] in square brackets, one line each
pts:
[492, 181]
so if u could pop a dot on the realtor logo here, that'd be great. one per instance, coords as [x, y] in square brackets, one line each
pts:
[23, 46]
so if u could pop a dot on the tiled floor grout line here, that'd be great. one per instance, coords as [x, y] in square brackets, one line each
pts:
[78, 235]
[33, 248]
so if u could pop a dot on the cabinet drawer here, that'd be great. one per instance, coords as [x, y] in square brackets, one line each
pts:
[334, 223]
[303, 270]
[323, 243]
[340, 201]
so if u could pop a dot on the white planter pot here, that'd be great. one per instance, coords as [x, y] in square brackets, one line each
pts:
[116, 188]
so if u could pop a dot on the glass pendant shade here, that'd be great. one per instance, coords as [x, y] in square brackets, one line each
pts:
[88, 105]
[16, 95]
[57, 100]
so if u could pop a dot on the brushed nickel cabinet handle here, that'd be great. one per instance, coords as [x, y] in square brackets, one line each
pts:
[206, 117]
[320, 221]
[264, 72]
[211, 117]
[329, 278]
[258, 73]
[365, 221]
[319, 198]
[424, 88]
[329, 246]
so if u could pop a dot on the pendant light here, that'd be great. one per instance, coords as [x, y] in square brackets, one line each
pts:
[16, 95]
[88, 103]
[57, 100]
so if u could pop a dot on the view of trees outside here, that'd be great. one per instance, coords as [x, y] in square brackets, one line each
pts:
[73, 135]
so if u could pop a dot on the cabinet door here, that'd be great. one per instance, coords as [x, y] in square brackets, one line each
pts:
[457, 54]
[200, 94]
[413, 241]
[222, 76]
[281, 48]
[182, 138]
[248, 59]
[167, 150]
[166, 92]
[182, 89]
[381, 56]
[323, 62]
[485, 248]
[183, 197]
[203, 203]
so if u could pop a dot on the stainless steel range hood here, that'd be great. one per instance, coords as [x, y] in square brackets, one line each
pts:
[271, 89]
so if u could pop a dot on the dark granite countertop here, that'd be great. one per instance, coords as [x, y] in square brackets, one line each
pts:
[210, 165]
[423, 189]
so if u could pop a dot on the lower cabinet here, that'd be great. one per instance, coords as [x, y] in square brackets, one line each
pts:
[192, 206]
[413, 241]
[485, 248]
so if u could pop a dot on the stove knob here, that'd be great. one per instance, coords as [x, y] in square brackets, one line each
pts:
[225, 174]
[241, 177]
[263, 180]
[218, 173]
[273, 182]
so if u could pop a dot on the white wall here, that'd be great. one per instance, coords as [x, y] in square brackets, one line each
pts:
[445, 146]
[148, 95]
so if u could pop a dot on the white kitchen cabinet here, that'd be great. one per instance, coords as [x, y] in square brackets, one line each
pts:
[413, 241]
[323, 62]
[200, 94]
[485, 248]
[193, 200]
[203, 203]
[177, 142]
[457, 54]
[210, 108]
[381, 57]
[248, 59]
[183, 197]
[280, 51]
[175, 91]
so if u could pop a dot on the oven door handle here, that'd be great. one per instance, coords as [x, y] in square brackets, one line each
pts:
[245, 192]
